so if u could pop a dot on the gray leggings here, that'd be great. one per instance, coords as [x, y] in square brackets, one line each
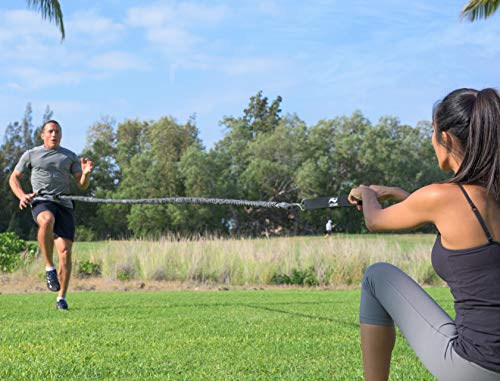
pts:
[390, 296]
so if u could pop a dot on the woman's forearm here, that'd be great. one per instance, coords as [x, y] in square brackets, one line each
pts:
[371, 208]
[399, 194]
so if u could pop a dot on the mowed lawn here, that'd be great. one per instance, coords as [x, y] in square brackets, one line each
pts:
[192, 335]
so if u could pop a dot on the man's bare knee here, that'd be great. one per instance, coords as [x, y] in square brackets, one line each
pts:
[65, 255]
[45, 220]
[64, 249]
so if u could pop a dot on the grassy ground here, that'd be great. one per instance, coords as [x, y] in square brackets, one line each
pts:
[233, 335]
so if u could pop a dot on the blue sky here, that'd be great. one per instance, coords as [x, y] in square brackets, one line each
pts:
[146, 59]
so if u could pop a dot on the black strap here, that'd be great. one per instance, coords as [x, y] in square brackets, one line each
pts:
[328, 202]
[476, 212]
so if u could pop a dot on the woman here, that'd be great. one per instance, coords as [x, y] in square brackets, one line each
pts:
[466, 254]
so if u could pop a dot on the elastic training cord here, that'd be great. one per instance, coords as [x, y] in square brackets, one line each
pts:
[185, 200]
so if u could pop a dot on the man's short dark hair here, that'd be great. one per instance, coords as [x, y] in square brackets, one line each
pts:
[52, 121]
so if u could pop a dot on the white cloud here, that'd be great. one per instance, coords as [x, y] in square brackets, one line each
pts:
[117, 60]
[179, 31]
[25, 37]
[175, 28]
[173, 39]
[149, 17]
[269, 7]
[253, 65]
[190, 14]
[20, 23]
[94, 28]
[6, 34]
[30, 49]
[182, 14]
[68, 107]
[34, 78]
[485, 38]
[275, 70]
[14, 86]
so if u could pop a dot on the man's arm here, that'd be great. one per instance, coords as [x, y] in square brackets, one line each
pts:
[83, 178]
[17, 189]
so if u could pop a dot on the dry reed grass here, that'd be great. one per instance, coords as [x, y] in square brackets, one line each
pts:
[338, 261]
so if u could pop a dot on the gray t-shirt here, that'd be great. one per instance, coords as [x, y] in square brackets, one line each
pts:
[52, 171]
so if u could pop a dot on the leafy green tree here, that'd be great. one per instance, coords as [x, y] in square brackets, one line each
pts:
[5, 196]
[259, 116]
[479, 9]
[101, 149]
[333, 166]
[200, 178]
[115, 151]
[348, 151]
[47, 115]
[400, 155]
[51, 10]
[233, 155]
[151, 171]
[120, 159]
[130, 140]
[274, 157]
[18, 138]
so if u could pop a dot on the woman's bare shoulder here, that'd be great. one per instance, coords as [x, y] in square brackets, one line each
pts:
[435, 193]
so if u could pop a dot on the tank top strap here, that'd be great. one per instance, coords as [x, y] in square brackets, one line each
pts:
[476, 212]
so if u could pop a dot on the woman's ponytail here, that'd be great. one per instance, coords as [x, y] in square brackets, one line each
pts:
[474, 118]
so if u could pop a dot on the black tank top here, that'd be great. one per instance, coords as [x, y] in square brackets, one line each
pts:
[473, 276]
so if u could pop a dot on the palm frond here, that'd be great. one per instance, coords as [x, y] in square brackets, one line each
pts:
[479, 9]
[51, 10]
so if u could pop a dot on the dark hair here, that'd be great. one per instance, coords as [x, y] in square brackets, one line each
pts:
[52, 121]
[474, 118]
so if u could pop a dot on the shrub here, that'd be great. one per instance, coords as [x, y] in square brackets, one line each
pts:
[14, 251]
[84, 234]
[125, 272]
[280, 279]
[87, 268]
[298, 277]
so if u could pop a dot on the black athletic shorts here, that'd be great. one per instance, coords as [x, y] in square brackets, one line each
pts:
[64, 225]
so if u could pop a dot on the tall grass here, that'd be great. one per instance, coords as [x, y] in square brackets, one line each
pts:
[337, 261]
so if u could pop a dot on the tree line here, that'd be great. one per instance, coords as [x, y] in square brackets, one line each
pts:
[263, 155]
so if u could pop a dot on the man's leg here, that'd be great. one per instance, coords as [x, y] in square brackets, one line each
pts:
[45, 236]
[46, 222]
[64, 230]
[63, 247]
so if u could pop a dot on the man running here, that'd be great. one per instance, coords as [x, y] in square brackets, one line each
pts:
[329, 228]
[52, 168]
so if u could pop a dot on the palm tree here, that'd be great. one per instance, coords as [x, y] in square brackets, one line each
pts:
[49, 9]
[479, 9]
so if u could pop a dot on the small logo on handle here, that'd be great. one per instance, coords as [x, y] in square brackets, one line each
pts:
[332, 202]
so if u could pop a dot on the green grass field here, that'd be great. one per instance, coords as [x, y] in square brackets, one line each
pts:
[189, 335]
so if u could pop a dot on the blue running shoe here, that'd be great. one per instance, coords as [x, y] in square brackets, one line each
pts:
[52, 281]
[61, 304]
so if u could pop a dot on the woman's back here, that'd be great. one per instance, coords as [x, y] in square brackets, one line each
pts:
[456, 221]
[469, 262]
